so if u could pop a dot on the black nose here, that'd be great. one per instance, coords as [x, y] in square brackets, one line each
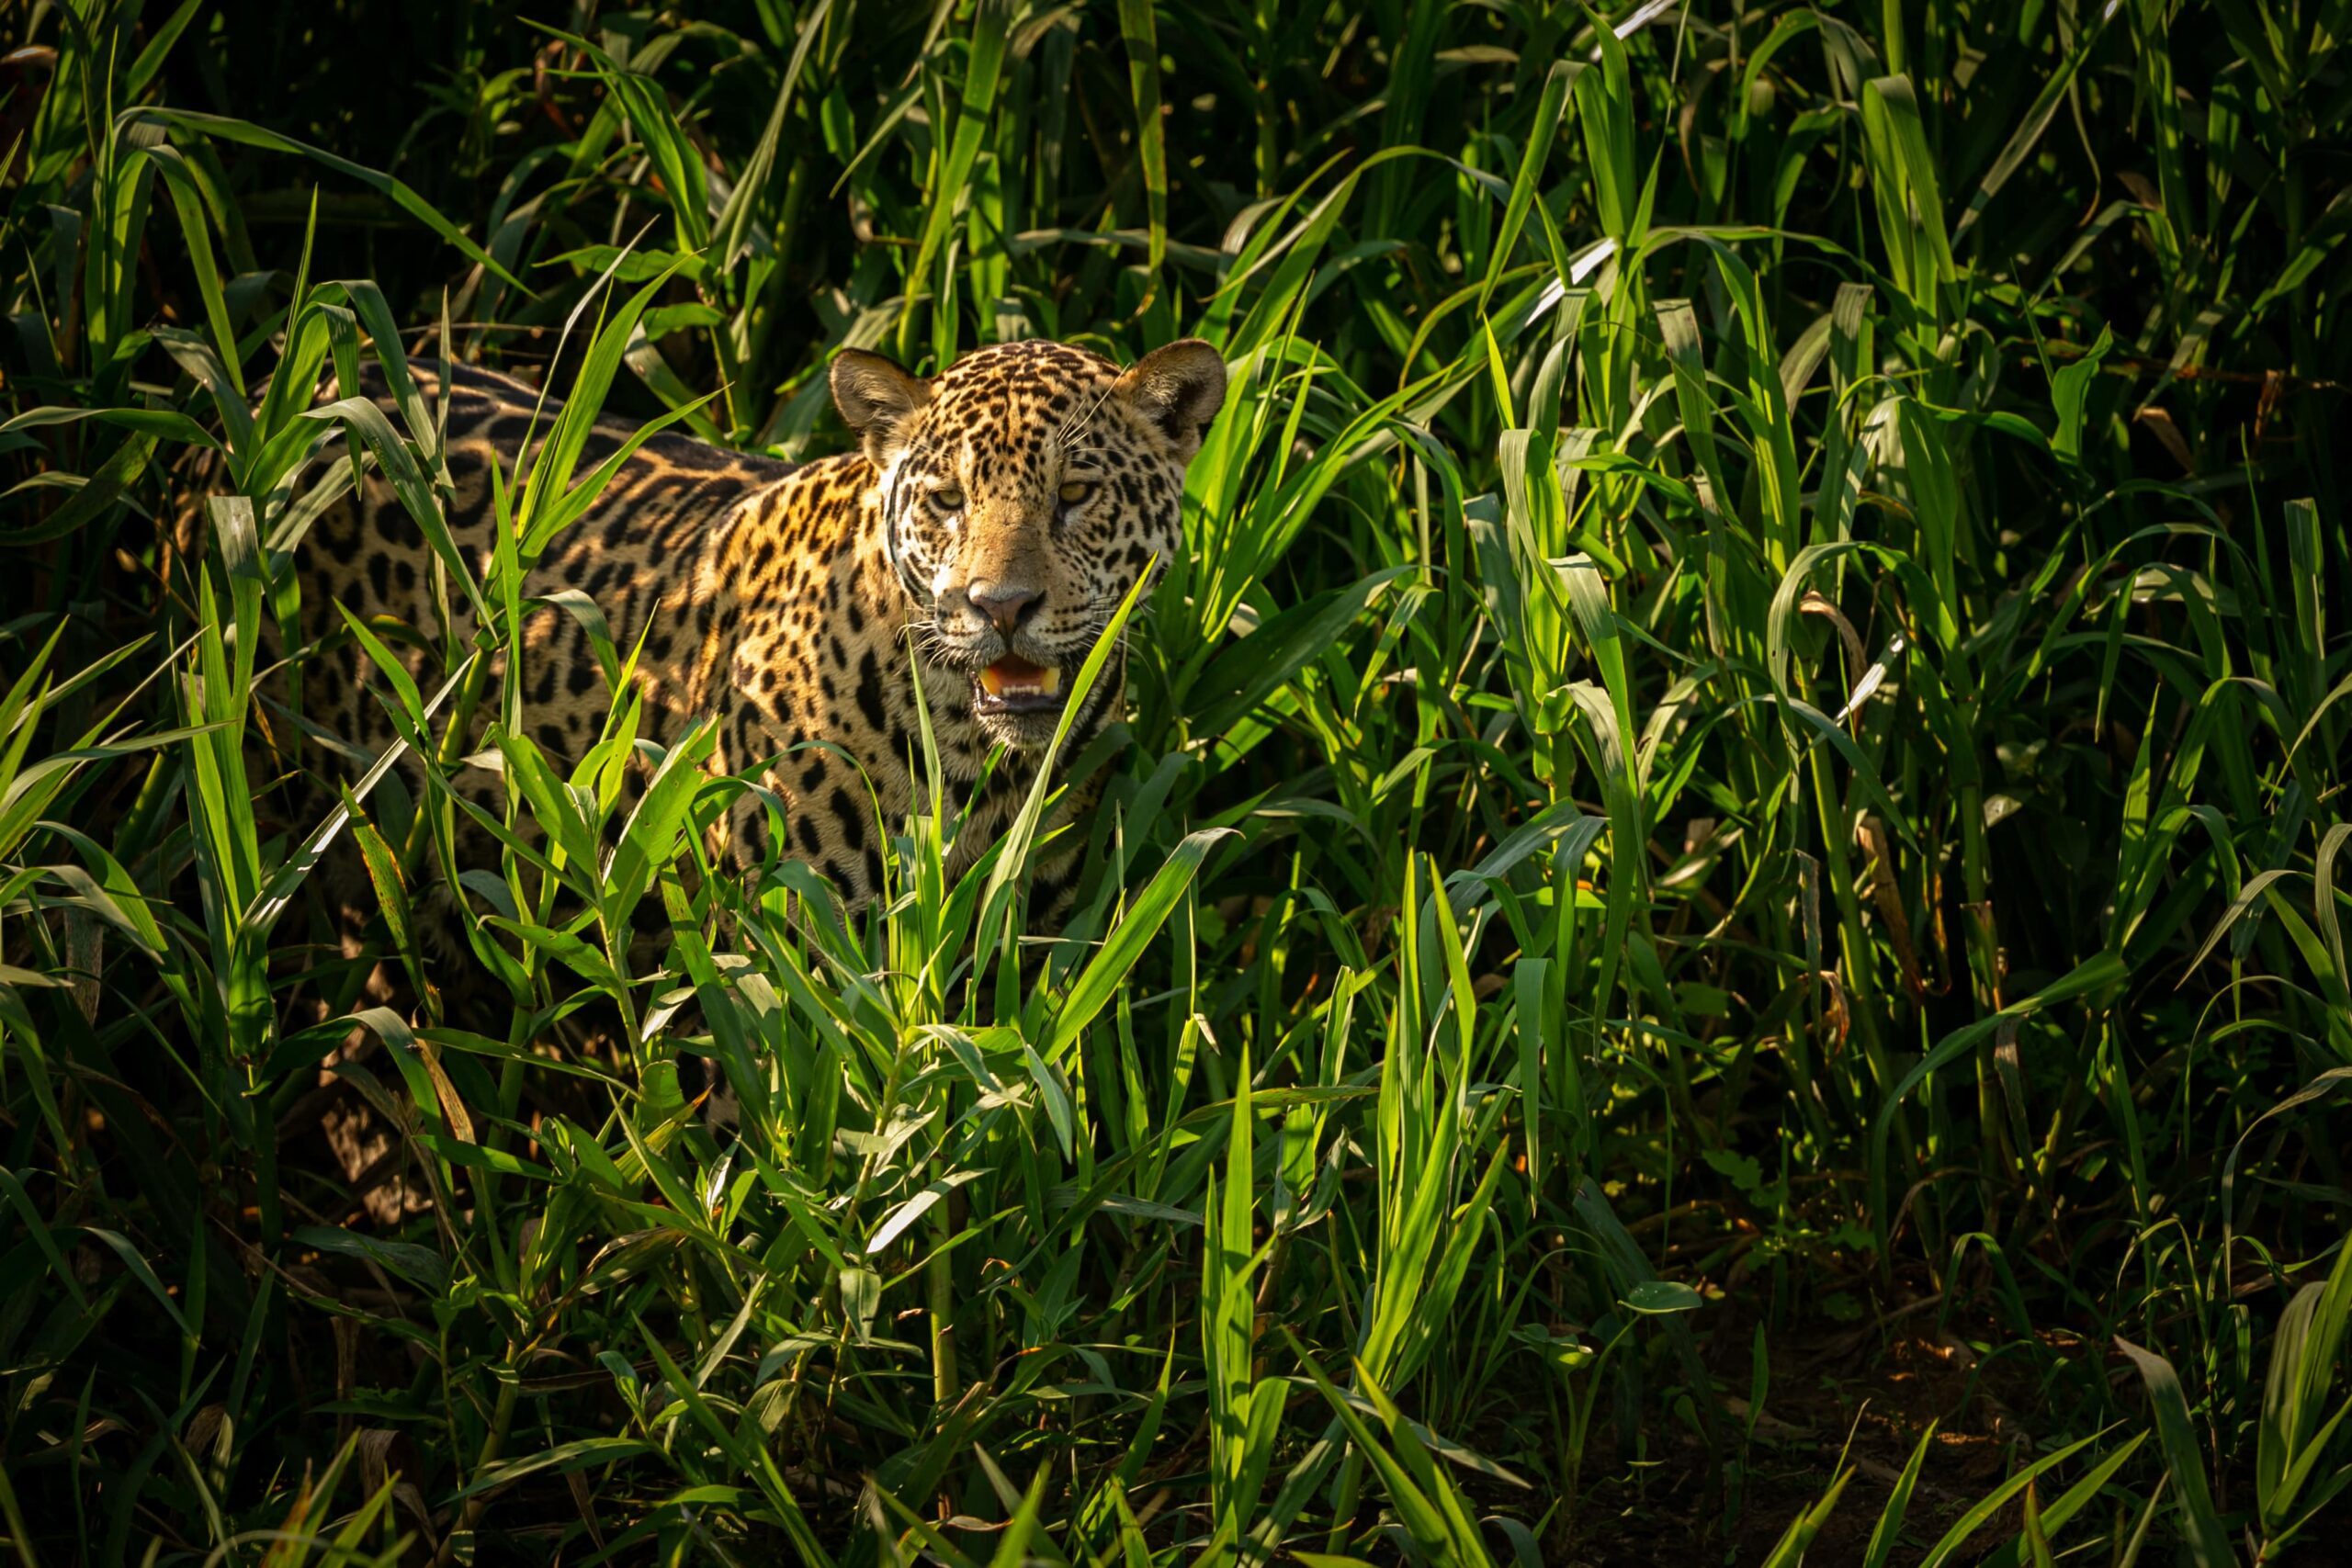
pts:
[1003, 606]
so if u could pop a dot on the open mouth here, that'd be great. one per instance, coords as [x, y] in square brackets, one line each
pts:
[1015, 685]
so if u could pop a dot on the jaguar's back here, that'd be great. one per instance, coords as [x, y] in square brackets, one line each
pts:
[634, 553]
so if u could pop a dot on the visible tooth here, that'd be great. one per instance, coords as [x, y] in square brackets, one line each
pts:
[1019, 678]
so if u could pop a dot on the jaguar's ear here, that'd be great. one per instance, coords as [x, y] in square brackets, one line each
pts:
[876, 398]
[1178, 388]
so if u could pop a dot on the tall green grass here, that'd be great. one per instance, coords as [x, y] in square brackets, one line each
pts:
[1743, 775]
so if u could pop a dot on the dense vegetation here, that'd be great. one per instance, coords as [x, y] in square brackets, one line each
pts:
[1719, 927]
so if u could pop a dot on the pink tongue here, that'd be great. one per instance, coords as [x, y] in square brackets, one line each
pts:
[1014, 672]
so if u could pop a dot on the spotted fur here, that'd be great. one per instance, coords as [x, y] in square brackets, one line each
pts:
[997, 511]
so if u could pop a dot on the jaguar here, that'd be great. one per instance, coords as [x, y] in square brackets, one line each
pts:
[977, 539]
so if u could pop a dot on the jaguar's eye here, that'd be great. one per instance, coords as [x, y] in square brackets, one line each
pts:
[1075, 492]
[948, 500]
